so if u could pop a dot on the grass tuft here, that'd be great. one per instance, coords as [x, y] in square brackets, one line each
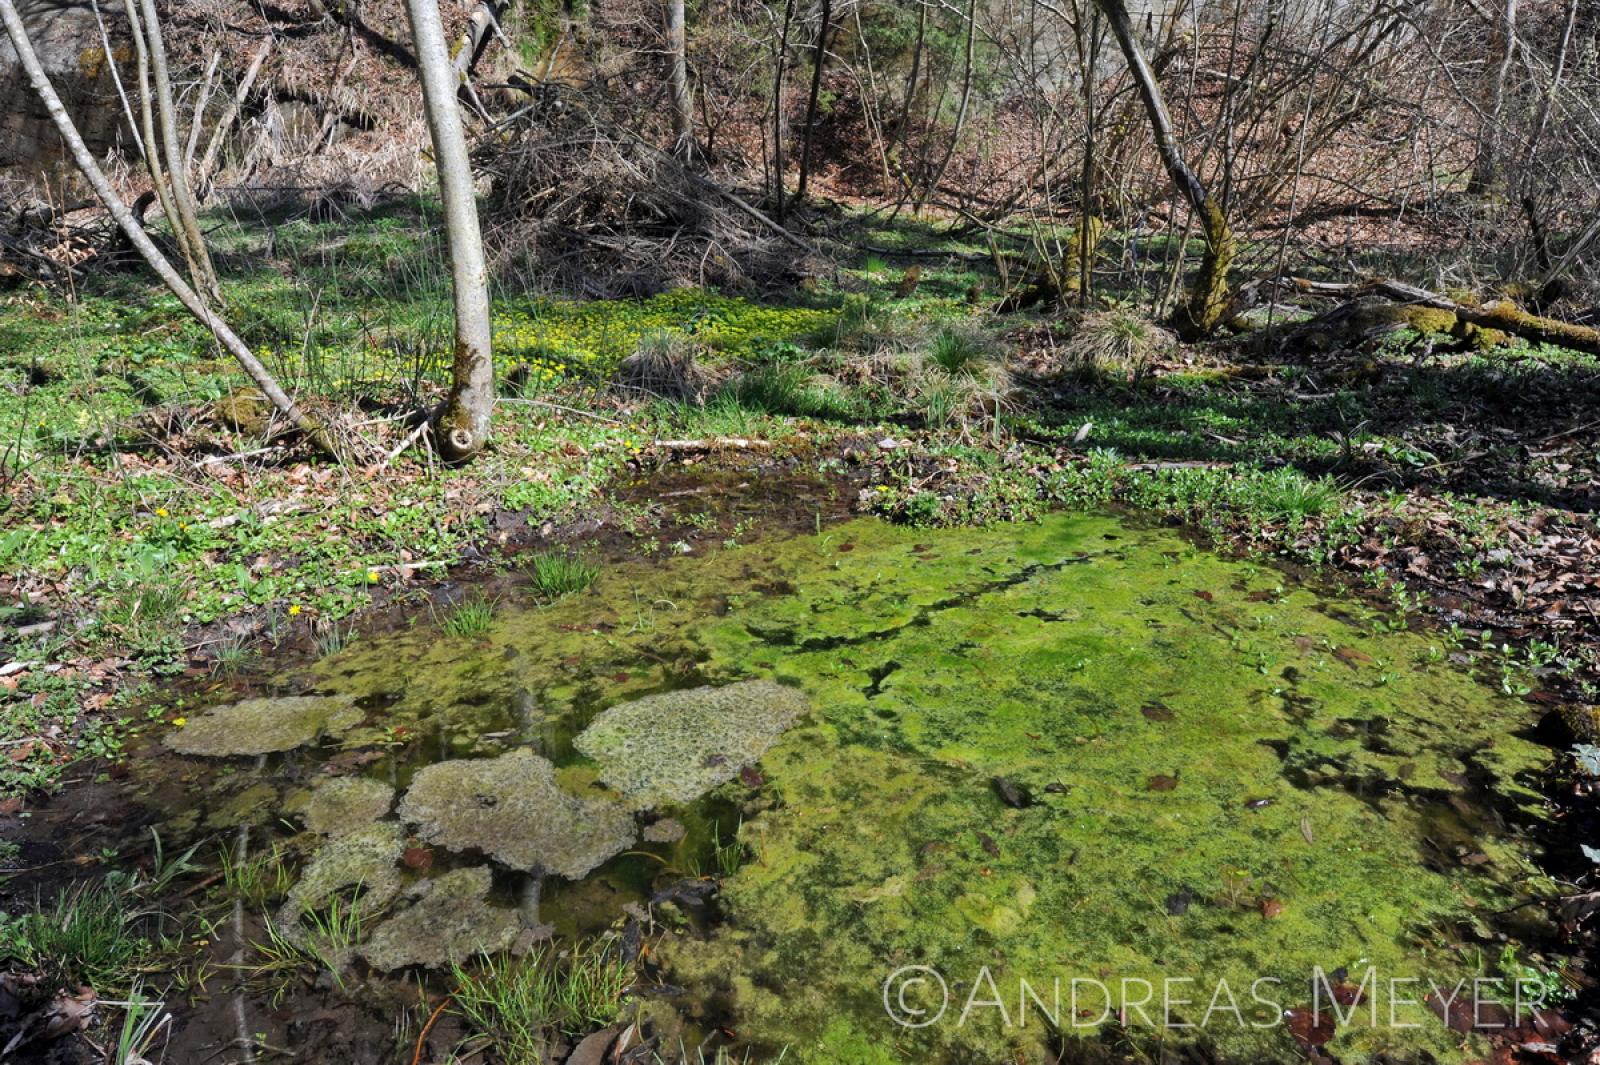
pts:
[1289, 495]
[332, 637]
[962, 351]
[1116, 344]
[257, 879]
[790, 389]
[665, 364]
[86, 936]
[323, 942]
[558, 573]
[469, 619]
[519, 1004]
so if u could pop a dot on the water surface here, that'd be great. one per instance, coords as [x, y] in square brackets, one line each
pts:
[1073, 749]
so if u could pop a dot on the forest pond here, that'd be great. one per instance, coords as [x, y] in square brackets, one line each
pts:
[1073, 750]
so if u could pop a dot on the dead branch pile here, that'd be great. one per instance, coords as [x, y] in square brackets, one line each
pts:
[581, 205]
[44, 244]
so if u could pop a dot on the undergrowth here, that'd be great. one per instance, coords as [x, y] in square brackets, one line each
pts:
[518, 1005]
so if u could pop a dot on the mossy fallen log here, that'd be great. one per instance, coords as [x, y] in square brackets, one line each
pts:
[1502, 315]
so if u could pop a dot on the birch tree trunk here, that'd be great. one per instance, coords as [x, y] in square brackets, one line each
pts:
[141, 240]
[1208, 292]
[177, 169]
[462, 428]
[150, 145]
[683, 145]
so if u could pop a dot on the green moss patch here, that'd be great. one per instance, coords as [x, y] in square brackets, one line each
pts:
[264, 726]
[1070, 749]
[676, 746]
[1207, 776]
[512, 808]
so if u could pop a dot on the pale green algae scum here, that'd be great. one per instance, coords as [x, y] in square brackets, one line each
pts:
[1227, 780]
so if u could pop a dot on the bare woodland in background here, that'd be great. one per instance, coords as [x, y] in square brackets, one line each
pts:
[625, 147]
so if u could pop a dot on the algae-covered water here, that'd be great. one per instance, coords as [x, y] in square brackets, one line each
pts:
[1075, 757]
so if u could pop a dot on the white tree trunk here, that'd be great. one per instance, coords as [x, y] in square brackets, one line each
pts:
[177, 170]
[463, 423]
[678, 82]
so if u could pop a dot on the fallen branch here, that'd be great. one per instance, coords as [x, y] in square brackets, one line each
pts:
[411, 438]
[927, 253]
[1500, 314]
[557, 406]
[1196, 465]
[714, 443]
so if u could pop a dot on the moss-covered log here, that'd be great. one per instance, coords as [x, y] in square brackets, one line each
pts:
[1502, 315]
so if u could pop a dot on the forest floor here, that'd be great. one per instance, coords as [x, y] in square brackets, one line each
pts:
[160, 537]
[155, 524]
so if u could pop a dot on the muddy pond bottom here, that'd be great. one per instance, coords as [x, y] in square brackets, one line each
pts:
[1032, 770]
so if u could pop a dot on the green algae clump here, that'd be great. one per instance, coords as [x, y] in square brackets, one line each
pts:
[512, 809]
[676, 746]
[363, 865]
[256, 804]
[1250, 782]
[339, 806]
[1213, 772]
[265, 726]
[452, 920]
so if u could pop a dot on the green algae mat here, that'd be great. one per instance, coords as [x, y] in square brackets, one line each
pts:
[994, 792]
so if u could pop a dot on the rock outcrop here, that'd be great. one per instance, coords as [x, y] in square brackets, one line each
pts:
[67, 40]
